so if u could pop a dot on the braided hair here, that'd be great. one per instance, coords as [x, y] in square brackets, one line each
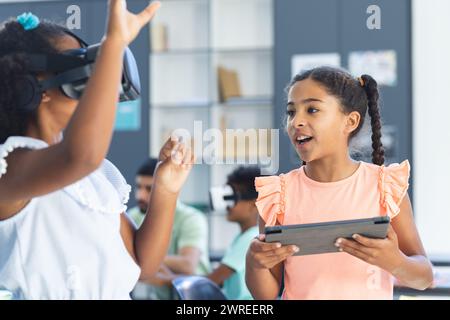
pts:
[360, 95]
[15, 43]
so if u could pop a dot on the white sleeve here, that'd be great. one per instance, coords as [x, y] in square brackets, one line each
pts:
[117, 180]
[13, 143]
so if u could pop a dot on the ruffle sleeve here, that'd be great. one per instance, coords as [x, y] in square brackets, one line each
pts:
[271, 199]
[13, 143]
[104, 190]
[393, 184]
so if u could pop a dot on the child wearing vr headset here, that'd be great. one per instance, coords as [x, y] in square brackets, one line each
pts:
[63, 231]
[237, 198]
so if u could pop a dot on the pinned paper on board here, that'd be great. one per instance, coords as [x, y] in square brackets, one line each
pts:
[303, 62]
[381, 65]
[128, 116]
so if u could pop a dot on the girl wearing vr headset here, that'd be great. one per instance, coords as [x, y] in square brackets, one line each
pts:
[63, 231]
[325, 109]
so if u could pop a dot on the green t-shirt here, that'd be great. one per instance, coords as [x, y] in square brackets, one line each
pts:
[234, 287]
[190, 229]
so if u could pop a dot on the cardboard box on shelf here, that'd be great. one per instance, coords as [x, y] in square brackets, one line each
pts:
[229, 85]
[158, 32]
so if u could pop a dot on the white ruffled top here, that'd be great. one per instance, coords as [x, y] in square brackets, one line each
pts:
[67, 244]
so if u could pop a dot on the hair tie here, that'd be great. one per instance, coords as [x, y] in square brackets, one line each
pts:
[28, 21]
[361, 81]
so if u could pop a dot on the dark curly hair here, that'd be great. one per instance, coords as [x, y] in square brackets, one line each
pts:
[353, 96]
[15, 43]
[243, 179]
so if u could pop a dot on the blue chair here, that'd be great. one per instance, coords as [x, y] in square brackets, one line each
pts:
[197, 288]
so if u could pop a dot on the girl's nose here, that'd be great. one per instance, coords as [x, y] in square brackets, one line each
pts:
[299, 120]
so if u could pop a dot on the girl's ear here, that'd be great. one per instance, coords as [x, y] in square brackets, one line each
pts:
[352, 122]
[45, 97]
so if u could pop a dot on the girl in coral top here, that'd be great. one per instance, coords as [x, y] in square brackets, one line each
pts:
[325, 110]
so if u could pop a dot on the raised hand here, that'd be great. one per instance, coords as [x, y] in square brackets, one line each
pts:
[177, 161]
[123, 25]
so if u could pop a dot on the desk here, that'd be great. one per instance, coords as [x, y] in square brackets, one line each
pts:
[440, 289]
[440, 260]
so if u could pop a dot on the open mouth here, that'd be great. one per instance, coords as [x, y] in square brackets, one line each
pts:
[301, 140]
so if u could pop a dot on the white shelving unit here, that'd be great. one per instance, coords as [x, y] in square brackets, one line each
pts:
[200, 36]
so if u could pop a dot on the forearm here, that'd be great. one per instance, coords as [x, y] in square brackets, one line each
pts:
[96, 110]
[415, 272]
[152, 238]
[180, 264]
[262, 283]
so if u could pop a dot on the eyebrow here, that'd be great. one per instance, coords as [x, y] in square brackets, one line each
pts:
[304, 101]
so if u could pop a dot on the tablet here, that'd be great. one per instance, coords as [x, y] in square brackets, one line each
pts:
[316, 238]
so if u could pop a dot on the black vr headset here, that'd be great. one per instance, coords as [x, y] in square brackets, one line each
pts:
[224, 197]
[72, 69]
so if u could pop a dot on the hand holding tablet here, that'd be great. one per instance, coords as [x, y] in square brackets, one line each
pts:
[316, 238]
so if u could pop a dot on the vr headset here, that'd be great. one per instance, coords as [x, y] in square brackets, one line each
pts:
[72, 69]
[223, 197]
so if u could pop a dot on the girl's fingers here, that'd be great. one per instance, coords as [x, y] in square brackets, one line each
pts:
[371, 243]
[391, 232]
[167, 148]
[147, 14]
[187, 156]
[265, 247]
[357, 250]
[356, 253]
[274, 260]
[286, 250]
[354, 245]
[193, 158]
[178, 153]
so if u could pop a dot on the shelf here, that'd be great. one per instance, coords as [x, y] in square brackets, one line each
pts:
[181, 25]
[181, 105]
[246, 101]
[233, 102]
[186, 51]
[251, 24]
[182, 1]
[240, 50]
[193, 38]
[180, 79]
[236, 50]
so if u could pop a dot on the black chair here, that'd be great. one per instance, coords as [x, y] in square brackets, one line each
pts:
[197, 288]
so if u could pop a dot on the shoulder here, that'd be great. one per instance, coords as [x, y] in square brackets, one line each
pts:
[13, 143]
[276, 180]
[392, 182]
[189, 214]
[393, 169]
[271, 196]
[115, 177]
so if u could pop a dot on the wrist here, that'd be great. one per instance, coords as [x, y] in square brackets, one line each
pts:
[163, 184]
[163, 190]
[399, 265]
[113, 42]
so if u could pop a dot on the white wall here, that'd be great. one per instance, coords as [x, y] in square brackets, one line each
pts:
[431, 97]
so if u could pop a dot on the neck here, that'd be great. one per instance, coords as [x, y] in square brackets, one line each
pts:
[46, 133]
[247, 224]
[331, 169]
